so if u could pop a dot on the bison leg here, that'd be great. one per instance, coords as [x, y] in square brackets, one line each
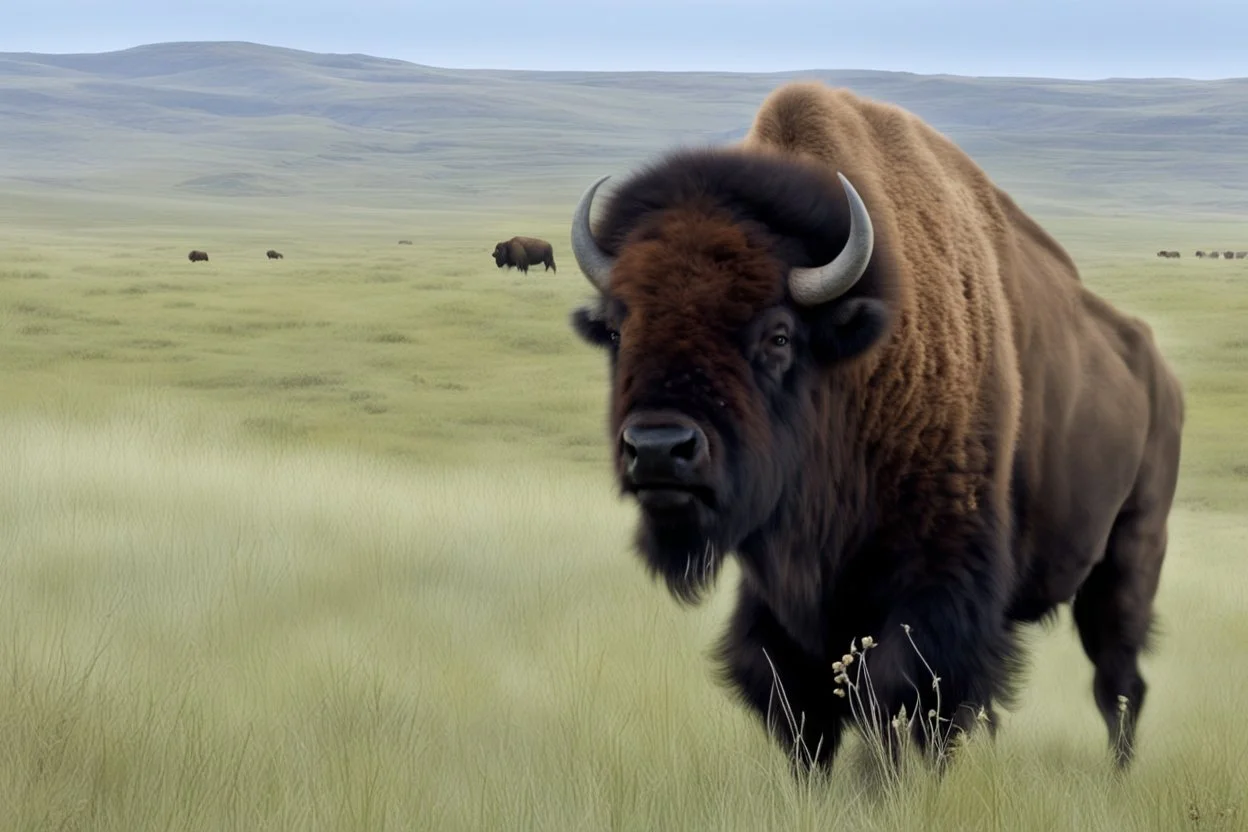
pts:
[946, 653]
[787, 688]
[1113, 612]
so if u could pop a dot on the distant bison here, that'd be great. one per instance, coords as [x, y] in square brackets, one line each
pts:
[1229, 255]
[1240, 255]
[1215, 255]
[197, 255]
[405, 242]
[1171, 254]
[273, 255]
[523, 252]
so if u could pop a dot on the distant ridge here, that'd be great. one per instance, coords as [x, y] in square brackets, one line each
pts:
[236, 120]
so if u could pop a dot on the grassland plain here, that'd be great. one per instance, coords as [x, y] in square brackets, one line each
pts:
[327, 543]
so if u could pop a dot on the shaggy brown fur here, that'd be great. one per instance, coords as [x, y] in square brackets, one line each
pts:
[273, 255]
[966, 439]
[523, 252]
[197, 255]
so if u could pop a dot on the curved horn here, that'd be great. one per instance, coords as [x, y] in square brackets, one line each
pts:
[831, 280]
[594, 262]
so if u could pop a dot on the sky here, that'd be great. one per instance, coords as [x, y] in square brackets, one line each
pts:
[1082, 39]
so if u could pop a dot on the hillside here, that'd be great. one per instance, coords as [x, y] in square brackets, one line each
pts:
[226, 121]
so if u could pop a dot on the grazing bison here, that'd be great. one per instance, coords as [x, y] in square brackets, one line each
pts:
[1171, 254]
[1200, 254]
[1214, 255]
[1240, 255]
[405, 242]
[523, 252]
[1229, 255]
[273, 255]
[197, 255]
[839, 352]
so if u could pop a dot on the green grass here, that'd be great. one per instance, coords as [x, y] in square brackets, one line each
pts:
[328, 543]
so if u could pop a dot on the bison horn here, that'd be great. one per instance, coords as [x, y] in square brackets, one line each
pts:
[831, 280]
[594, 262]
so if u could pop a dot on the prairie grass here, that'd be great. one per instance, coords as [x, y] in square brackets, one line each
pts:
[328, 543]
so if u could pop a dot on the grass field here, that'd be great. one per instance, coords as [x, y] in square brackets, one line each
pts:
[328, 542]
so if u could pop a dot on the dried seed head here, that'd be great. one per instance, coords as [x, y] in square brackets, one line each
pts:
[839, 692]
[837, 667]
[847, 659]
[867, 642]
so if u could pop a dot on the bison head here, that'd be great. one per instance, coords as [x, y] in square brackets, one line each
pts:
[500, 255]
[729, 286]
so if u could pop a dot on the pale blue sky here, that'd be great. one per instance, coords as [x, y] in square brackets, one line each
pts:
[1065, 38]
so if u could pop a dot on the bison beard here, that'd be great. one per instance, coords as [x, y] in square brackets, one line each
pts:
[837, 390]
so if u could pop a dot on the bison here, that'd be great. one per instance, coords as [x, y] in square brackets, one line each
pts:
[1240, 255]
[1171, 254]
[1228, 255]
[838, 352]
[273, 255]
[523, 252]
[197, 255]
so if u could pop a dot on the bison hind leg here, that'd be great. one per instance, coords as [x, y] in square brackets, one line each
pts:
[1113, 609]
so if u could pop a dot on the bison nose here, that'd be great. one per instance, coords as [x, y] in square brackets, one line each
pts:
[663, 452]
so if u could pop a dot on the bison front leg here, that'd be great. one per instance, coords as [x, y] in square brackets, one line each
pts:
[786, 687]
[945, 654]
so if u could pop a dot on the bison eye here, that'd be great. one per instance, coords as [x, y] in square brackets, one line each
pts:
[780, 340]
[614, 335]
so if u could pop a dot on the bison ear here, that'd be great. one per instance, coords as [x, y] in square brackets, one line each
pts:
[847, 329]
[590, 325]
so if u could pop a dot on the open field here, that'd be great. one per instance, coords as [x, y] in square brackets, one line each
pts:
[325, 543]
[328, 542]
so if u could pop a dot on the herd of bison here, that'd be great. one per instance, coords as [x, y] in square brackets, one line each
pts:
[518, 252]
[1214, 255]
[521, 252]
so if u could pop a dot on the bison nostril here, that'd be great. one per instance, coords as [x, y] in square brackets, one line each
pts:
[688, 449]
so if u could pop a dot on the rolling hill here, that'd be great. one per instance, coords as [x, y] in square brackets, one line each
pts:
[231, 122]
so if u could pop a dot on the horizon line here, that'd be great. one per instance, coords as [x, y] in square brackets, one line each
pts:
[274, 46]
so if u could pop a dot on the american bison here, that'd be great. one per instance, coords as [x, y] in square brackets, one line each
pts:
[1228, 255]
[523, 252]
[1240, 255]
[840, 353]
[197, 255]
[405, 242]
[1171, 254]
[273, 255]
